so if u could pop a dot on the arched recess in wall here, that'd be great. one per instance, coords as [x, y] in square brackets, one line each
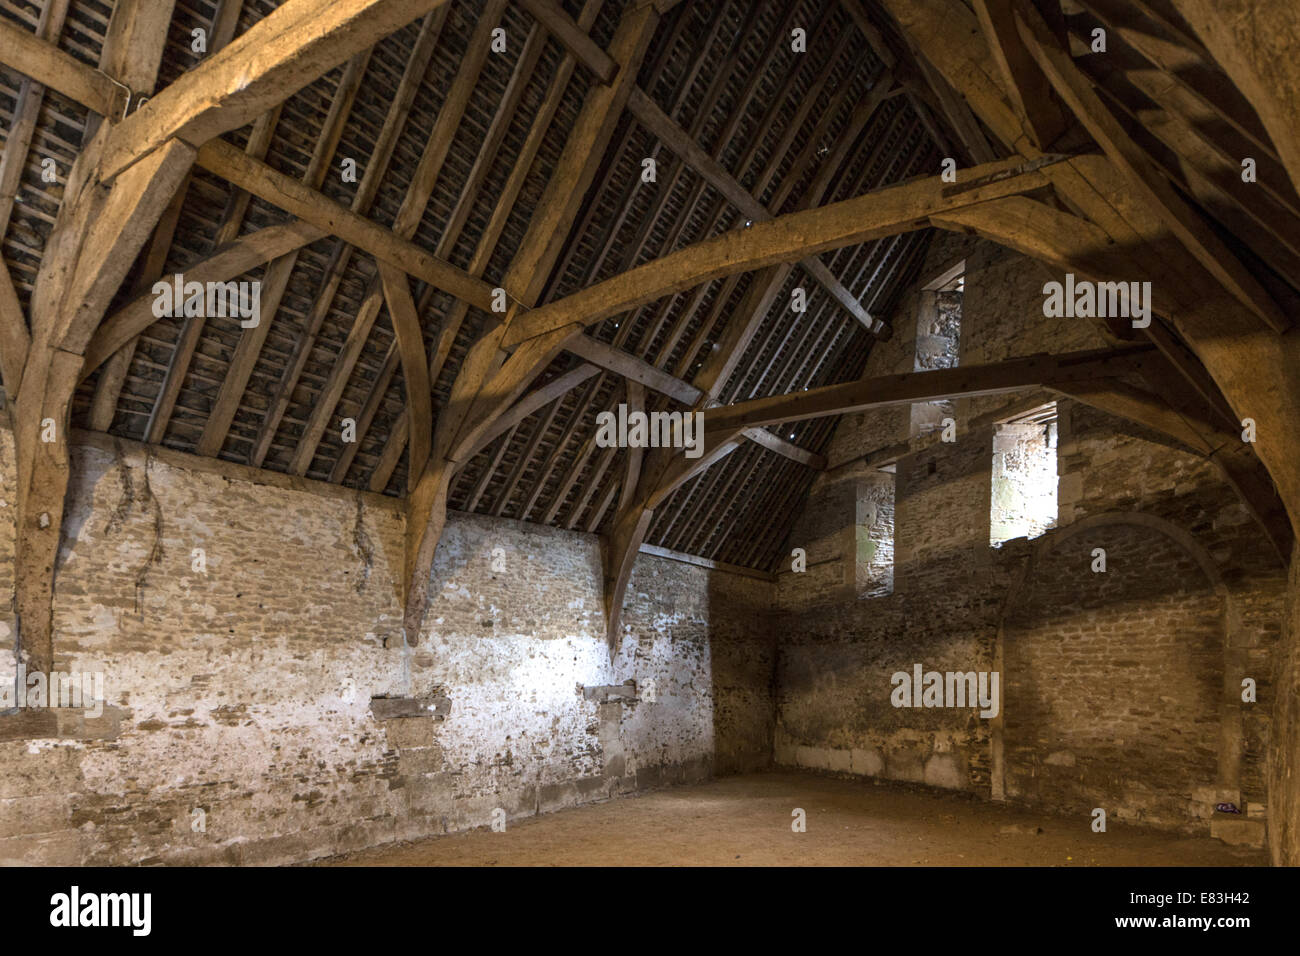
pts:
[1126, 676]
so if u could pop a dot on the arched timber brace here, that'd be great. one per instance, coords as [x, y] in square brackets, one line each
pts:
[119, 186]
[438, 244]
[665, 471]
[1247, 344]
[1136, 222]
[885, 212]
[489, 382]
[766, 245]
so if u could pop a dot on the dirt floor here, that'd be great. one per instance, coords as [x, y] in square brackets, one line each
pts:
[746, 821]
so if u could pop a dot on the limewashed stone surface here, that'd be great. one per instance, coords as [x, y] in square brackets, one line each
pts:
[238, 724]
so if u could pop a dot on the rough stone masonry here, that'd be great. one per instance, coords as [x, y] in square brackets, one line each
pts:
[239, 725]
[263, 705]
[1121, 690]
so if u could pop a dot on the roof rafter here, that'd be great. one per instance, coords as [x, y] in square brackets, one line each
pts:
[275, 281]
[1196, 303]
[225, 263]
[398, 435]
[295, 44]
[408, 221]
[489, 382]
[1253, 43]
[1031, 95]
[1084, 102]
[122, 182]
[235, 166]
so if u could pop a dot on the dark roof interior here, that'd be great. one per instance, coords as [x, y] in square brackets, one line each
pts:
[725, 73]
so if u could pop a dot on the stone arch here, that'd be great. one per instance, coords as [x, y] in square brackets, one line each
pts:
[1192, 637]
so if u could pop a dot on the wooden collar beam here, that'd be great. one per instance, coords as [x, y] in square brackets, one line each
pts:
[666, 470]
[115, 193]
[884, 212]
[1253, 367]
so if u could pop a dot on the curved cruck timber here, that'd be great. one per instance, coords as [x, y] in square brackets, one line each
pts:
[422, 249]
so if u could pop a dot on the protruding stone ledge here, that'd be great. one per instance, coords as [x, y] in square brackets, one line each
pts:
[625, 691]
[393, 708]
[60, 723]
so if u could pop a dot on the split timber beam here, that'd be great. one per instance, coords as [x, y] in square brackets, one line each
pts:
[680, 143]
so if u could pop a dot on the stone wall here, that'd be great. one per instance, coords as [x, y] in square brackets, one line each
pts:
[1121, 689]
[1114, 680]
[242, 630]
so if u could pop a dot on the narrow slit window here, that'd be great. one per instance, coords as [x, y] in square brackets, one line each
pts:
[874, 530]
[938, 337]
[1024, 476]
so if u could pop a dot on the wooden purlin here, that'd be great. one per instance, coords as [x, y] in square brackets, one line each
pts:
[707, 328]
[487, 241]
[766, 172]
[763, 539]
[581, 410]
[340, 254]
[635, 248]
[407, 222]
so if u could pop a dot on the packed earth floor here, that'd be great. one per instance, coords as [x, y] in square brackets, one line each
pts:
[746, 821]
